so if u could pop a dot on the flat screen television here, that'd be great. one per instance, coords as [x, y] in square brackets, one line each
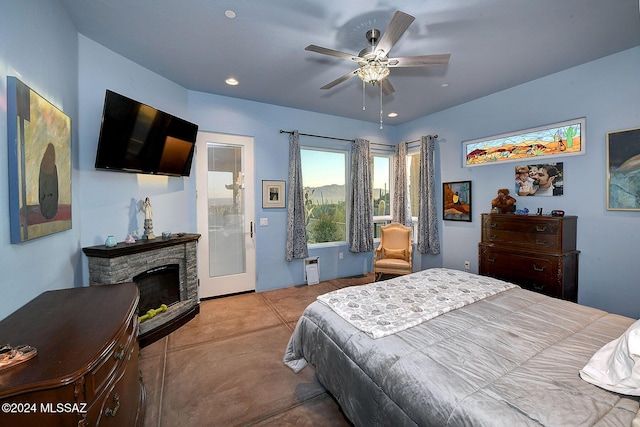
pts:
[137, 138]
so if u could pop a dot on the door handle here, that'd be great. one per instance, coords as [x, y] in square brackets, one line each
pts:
[251, 229]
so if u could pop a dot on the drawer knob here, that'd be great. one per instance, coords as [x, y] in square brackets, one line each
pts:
[536, 268]
[541, 242]
[493, 224]
[538, 287]
[119, 355]
[491, 259]
[112, 412]
[541, 228]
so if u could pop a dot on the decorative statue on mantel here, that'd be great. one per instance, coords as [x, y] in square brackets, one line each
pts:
[148, 220]
[504, 202]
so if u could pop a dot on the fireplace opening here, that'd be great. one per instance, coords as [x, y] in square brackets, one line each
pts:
[160, 285]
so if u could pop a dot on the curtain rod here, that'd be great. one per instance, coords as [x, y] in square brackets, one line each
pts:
[317, 136]
[349, 140]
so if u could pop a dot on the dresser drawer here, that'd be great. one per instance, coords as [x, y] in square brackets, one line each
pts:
[533, 241]
[553, 275]
[122, 399]
[506, 222]
[117, 355]
[537, 273]
[535, 233]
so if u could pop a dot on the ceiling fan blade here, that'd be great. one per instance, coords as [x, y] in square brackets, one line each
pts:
[387, 87]
[398, 25]
[339, 80]
[331, 52]
[420, 61]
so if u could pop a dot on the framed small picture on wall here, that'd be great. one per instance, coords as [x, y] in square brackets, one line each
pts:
[273, 194]
[456, 197]
[623, 170]
[539, 179]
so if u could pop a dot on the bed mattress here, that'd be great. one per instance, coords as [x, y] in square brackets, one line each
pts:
[510, 359]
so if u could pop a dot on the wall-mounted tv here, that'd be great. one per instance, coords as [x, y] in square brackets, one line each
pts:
[135, 137]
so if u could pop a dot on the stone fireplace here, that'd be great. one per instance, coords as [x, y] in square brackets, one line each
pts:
[165, 270]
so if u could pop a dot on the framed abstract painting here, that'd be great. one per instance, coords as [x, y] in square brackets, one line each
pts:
[456, 201]
[623, 170]
[39, 142]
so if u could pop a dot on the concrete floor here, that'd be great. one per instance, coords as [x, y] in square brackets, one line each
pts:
[224, 367]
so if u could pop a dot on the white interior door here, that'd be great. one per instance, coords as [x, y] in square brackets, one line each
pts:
[225, 214]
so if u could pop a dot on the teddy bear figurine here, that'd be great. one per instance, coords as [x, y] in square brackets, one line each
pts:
[504, 202]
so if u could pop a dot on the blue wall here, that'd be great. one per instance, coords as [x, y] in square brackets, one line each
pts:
[607, 93]
[42, 48]
[271, 150]
[39, 47]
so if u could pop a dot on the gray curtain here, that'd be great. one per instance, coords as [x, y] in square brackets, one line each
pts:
[428, 239]
[361, 216]
[401, 208]
[296, 225]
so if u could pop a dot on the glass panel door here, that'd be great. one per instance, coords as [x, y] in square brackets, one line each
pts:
[225, 214]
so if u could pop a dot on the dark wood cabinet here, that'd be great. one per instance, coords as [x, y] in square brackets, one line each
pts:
[86, 370]
[536, 252]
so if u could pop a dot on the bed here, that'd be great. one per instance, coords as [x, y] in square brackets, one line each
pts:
[503, 357]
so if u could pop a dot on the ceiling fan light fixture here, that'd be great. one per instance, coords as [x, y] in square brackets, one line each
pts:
[373, 72]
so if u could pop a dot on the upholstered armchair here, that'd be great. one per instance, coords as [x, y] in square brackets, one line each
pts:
[393, 255]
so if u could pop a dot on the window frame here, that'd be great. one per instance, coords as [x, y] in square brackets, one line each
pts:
[413, 151]
[383, 219]
[347, 187]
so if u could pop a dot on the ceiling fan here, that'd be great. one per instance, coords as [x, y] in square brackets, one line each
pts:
[374, 61]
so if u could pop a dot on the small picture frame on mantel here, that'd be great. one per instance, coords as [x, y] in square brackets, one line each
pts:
[273, 194]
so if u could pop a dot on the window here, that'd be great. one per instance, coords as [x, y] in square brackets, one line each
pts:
[323, 179]
[413, 184]
[381, 188]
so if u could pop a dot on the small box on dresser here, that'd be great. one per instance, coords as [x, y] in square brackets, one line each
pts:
[536, 252]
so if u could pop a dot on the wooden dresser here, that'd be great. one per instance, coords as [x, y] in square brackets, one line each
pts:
[536, 252]
[86, 370]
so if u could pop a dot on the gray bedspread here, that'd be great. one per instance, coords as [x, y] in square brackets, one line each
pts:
[511, 359]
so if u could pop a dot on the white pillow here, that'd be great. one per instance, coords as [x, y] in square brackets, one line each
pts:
[616, 366]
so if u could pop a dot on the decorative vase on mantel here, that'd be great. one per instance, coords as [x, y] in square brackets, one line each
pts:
[110, 242]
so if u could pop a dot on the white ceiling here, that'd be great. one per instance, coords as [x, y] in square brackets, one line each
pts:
[494, 45]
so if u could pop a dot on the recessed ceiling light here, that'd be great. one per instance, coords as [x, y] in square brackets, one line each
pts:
[392, 114]
[229, 14]
[232, 81]
[444, 85]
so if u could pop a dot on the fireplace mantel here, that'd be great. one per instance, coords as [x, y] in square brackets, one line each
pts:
[142, 245]
[123, 262]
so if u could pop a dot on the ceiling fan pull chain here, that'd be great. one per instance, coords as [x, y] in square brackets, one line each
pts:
[381, 113]
[363, 107]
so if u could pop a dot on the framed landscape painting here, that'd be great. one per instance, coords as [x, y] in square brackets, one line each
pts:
[39, 141]
[456, 201]
[534, 145]
[623, 170]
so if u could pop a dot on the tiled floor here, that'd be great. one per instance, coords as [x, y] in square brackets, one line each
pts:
[224, 367]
